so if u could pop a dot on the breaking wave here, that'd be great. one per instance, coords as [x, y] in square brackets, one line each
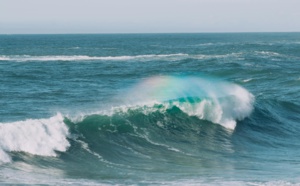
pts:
[161, 101]
[38, 137]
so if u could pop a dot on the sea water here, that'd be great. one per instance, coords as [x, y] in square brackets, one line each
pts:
[150, 109]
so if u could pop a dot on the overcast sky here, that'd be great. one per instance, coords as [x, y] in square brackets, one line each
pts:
[148, 16]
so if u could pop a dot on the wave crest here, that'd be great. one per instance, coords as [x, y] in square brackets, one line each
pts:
[25, 58]
[210, 99]
[139, 58]
[38, 137]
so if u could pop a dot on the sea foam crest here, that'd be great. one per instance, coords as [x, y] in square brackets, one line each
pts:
[209, 99]
[35, 136]
[24, 58]
[140, 58]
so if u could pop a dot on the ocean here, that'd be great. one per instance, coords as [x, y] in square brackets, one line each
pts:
[150, 109]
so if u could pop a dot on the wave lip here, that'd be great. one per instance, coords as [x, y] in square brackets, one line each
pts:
[209, 99]
[38, 137]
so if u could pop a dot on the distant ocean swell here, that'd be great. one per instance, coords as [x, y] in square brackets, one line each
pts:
[24, 58]
[151, 57]
[148, 57]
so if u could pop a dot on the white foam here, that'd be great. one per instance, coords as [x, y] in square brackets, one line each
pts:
[163, 57]
[4, 58]
[35, 136]
[218, 101]
[219, 56]
[4, 158]
[247, 80]
[268, 53]
[24, 58]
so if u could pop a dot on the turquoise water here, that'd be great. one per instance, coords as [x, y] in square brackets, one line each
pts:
[150, 109]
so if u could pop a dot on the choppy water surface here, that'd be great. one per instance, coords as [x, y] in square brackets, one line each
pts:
[147, 109]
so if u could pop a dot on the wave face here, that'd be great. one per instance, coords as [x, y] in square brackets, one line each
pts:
[150, 109]
[144, 139]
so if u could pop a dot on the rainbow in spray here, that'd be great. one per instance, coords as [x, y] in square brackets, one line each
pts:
[210, 99]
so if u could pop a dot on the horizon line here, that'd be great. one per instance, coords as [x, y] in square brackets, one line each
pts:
[125, 33]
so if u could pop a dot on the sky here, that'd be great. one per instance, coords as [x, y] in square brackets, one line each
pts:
[148, 16]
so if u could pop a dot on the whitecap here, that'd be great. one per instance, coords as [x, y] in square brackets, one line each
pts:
[35, 136]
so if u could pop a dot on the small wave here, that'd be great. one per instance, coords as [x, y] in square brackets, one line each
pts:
[205, 44]
[75, 48]
[215, 56]
[24, 58]
[109, 48]
[38, 137]
[211, 44]
[247, 80]
[142, 58]
[4, 58]
[268, 54]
